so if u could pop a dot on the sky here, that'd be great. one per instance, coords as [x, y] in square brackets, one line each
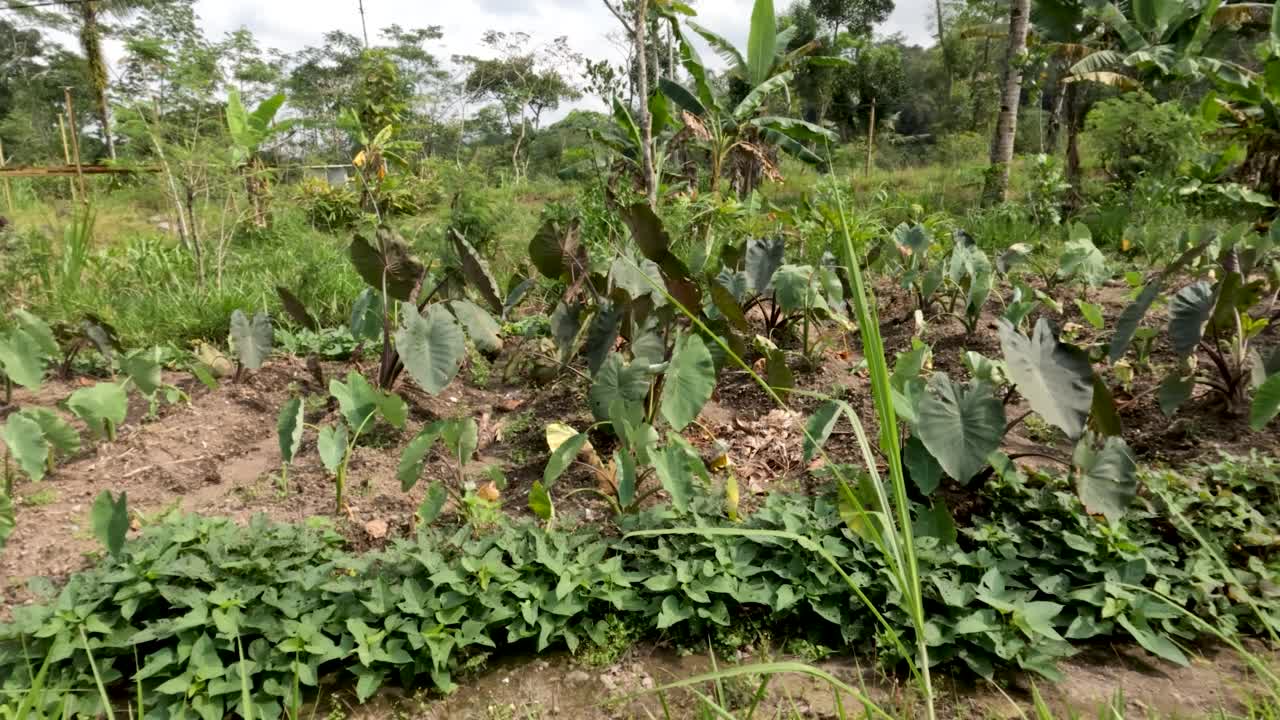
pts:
[292, 24]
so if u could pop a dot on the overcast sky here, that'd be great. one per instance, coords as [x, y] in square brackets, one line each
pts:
[292, 24]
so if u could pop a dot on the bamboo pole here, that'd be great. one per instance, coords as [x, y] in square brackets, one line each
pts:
[66, 155]
[871, 136]
[8, 193]
[75, 144]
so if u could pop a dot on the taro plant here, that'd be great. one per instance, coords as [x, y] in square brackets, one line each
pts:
[25, 350]
[913, 244]
[479, 503]
[971, 276]
[251, 340]
[103, 407]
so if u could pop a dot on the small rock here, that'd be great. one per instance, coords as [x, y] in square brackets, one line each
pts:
[577, 676]
[377, 529]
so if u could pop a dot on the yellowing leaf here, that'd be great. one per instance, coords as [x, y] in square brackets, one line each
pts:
[557, 434]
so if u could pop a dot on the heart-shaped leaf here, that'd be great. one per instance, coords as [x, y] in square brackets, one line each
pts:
[366, 316]
[61, 437]
[922, 466]
[476, 271]
[1055, 377]
[26, 444]
[672, 467]
[20, 359]
[1189, 311]
[1106, 478]
[688, 383]
[414, 455]
[144, 370]
[251, 341]
[110, 517]
[960, 425]
[332, 444]
[762, 259]
[562, 456]
[39, 332]
[1266, 403]
[602, 334]
[386, 260]
[296, 309]
[617, 380]
[102, 407]
[432, 346]
[540, 502]
[289, 429]
[553, 247]
[483, 330]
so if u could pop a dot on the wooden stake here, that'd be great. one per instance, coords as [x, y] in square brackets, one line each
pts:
[66, 155]
[75, 144]
[871, 136]
[8, 194]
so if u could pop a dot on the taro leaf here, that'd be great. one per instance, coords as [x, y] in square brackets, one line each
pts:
[566, 322]
[102, 407]
[110, 518]
[777, 373]
[1092, 313]
[688, 383]
[59, 433]
[39, 332]
[1266, 403]
[735, 281]
[540, 502]
[517, 293]
[552, 248]
[602, 334]
[26, 444]
[936, 522]
[649, 348]
[728, 306]
[433, 504]
[392, 408]
[794, 288]
[1055, 377]
[1189, 311]
[1106, 479]
[366, 316]
[625, 462]
[476, 271]
[680, 283]
[296, 309]
[432, 346]
[480, 326]
[1105, 417]
[1127, 325]
[617, 380]
[672, 466]
[912, 240]
[647, 231]
[357, 398]
[1174, 391]
[1013, 256]
[819, 427]
[251, 341]
[143, 370]
[414, 455]
[637, 278]
[20, 360]
[562, 457]
[1082, 260]
[7, 522]
[101, 334]
[461, 436]
[763, 258]
[390, 257]
[289, 428]
[332, 444]
[960, 425]
[922, 466]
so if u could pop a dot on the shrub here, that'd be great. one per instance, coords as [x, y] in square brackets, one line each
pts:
[331, 207]
[1138, 137]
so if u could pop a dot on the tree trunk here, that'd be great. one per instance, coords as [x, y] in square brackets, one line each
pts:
[641, 27]
[997, 182]
[91, 44]
[946, 53]
[973, 85]
[1073, 149]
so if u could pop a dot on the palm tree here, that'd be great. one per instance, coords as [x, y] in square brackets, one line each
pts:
[997, 182]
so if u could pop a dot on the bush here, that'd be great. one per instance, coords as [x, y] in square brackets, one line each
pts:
[330, 207]
[1137, 137]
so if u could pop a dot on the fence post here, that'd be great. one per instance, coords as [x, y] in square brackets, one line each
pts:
[8, 193]
[75, 144]
[871, 136]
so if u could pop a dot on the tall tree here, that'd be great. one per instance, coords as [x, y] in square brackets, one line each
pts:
[637, 28]
[856, 17]
[997, 182]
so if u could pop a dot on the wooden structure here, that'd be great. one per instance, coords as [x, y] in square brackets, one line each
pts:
[31, 171]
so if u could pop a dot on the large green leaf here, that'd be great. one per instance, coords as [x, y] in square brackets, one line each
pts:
[476, 271]
[289, 427]
[553, 248]
[1189, 312]
[1127, 324]
[102, 407]
[647, 231]
[20, 359]
[414, 456]
[540, 502]
[1174, 390]
[296, 309]
[722, 47]
[759, 94]
[566, 324]
[682, 97]
[357, 398]
[921, 465]
[1266, 403]
[1106, 478]
[602, 334]
[433, 503]
[110, 517]
[61, 436]
[794, 129]
[617, 380]
[1055, 377]
[432, 346]
[386, 260]
[638, 278]
[960, 425]
[562, 457]
[144, 370]
[331, 442]
[672, 467]
[1082, 260]
[795, 288]
[762, 259]
[26, 444]
[762, 42]
[39, 331]
[251, 341]
[366, 316]
[819, 427]
[688, 383]
[483, 330]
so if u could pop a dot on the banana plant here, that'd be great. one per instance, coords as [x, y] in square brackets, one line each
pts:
[739, 136]
[1161, 37]
[249, 131]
